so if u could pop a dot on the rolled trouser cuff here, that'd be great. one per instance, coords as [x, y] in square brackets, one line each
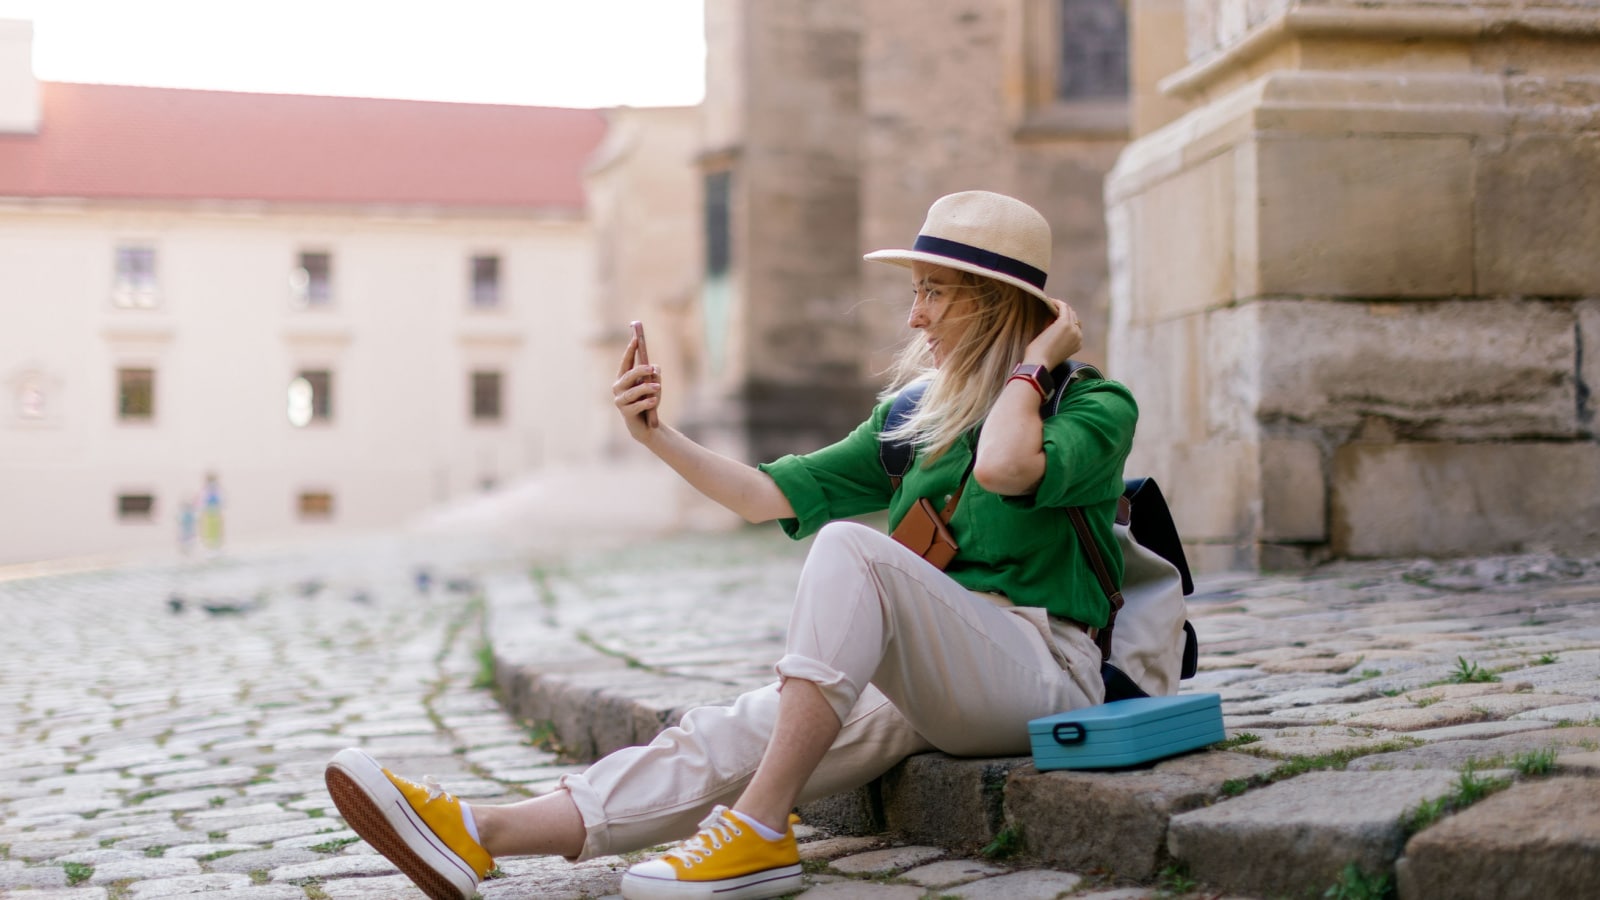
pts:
[836, 689]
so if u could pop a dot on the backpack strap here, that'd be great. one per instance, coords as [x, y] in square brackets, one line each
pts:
[895, 456]
[1102, 574]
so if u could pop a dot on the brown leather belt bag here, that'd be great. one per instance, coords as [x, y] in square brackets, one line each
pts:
[927, 532]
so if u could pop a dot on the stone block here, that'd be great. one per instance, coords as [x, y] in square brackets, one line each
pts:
[1173, 404]
[1296, 836]
[1033, 884]
[856, 812]
[937, 799]
[889, 859]
[1534, 840]
[1117, 820]
[1456, 754]
[1490, 369]
[1587, 339]
[1182, 242]
[1339, 216]
[1538, 216]
[1293, 491]
[1441, 499]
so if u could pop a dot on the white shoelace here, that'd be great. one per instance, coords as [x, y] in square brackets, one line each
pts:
[430, 784]
[716, 830]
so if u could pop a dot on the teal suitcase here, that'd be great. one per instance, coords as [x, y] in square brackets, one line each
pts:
[1126, 732]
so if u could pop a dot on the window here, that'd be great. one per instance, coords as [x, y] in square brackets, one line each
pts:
[718, 251]
[134, 283]
[311, 397]
[315, 505]
[136, 507]
[32, 399]
[486, 282]
[486, 396]
[311, 284]
[1076, 54]
[136, 395]
[1093, 57]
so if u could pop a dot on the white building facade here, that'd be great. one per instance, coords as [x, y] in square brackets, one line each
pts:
[347, 310]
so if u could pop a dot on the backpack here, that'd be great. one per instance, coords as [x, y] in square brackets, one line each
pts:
[1148, 645]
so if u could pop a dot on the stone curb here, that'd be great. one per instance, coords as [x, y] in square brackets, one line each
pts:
[1189, 814]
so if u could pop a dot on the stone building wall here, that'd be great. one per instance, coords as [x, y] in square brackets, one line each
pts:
[949, 107]
[1353, 286]
[839, 123]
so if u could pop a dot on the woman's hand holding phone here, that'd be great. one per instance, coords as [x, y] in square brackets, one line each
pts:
[637, 390]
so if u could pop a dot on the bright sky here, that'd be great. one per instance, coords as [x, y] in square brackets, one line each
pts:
[582, 53]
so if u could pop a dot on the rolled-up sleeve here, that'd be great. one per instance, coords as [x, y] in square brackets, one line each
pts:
[840, 480]
[1085, 445]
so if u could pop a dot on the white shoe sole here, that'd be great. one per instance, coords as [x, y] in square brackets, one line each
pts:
[771, 883]
[375, 809]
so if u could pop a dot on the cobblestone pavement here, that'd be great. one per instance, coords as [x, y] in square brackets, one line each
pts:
[163, 728]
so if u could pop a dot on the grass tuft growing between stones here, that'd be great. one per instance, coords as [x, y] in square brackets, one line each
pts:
[1470, 673]
[78, 873]
[1469, 788]
[1299, 765]
[483, 678]
[1238, 740]
[335, 845]
[1174, 879]
[1356, 884]
[1007, 843]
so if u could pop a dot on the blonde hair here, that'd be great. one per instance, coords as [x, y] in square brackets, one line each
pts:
[1000, 320]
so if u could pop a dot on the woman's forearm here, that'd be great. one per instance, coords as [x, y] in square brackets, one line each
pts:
[744, 489]
[1011, 458]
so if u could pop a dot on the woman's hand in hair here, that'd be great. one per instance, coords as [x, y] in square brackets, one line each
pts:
[1059, 340]
[1011, 458]
[636, 392]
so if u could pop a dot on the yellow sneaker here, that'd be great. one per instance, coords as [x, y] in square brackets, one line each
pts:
[418, 827]
[726, 860]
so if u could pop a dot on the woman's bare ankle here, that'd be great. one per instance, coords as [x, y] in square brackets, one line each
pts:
[548, 825]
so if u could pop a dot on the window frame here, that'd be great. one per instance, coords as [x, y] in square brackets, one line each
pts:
[123, 375]
[304, 511]
[1045, 112]
[317, 290]
[125, 514]
[476, 412]
[135, 287]
[322, 413]
[475, 300]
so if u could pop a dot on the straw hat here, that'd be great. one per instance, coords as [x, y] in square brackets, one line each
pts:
[984, 233]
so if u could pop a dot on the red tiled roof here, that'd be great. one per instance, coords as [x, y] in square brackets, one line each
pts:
[112, 141]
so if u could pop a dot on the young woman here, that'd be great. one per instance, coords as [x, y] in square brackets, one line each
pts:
[886, 654]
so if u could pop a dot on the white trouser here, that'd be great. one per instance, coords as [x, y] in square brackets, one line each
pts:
[908, 659]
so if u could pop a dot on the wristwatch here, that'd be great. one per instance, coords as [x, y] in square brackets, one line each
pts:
[1036, 375]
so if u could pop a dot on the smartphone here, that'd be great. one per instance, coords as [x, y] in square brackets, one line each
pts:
[642, 358]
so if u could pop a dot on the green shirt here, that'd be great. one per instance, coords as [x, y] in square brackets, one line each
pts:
[1021, 547]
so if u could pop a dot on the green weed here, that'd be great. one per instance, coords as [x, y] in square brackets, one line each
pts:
[78, 873]
[1174, 879]
[1238, 740]
[1005, 844]
[1469, 788]
[1535, 762]
[1470, 673]
[1355, 884]
[335, 845]
[484, 678]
